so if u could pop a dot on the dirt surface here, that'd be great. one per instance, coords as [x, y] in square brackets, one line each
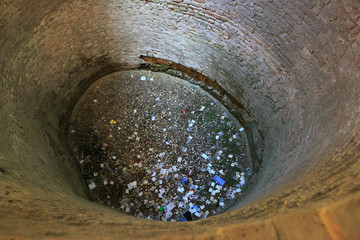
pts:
[155, 146]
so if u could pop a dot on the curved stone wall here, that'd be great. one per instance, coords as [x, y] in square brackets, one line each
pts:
[294, 66]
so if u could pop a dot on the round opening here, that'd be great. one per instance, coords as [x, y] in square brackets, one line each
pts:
[155, 146]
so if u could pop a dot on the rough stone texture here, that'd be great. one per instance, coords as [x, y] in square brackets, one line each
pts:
[294, 65]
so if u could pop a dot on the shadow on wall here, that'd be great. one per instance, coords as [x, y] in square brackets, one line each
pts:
[294, 67]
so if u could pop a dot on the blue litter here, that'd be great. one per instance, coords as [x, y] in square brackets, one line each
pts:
[219, 180]
[249, 171]
[195, 208]
[183, 180]
[183, 220]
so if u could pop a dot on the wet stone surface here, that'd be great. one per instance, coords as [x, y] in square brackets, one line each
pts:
[157, 147]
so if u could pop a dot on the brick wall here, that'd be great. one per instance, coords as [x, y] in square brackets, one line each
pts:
[293, 64]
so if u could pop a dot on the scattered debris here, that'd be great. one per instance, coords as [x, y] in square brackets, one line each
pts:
[155, 161]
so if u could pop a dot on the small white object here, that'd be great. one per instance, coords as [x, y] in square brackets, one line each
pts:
[212, 184]
[151, 79]
[217, 137]
[72, 131]
[92, 186]
[105, 182]
[132, 185]
[221, 204]
[202, 207]
[153, 118]
[164, 129]
[179, 159]
[135, 110]
[241, 129]
[230, 156]
[190, 137]
[204, 156]
[202, 108]
[143, 78]
[95, 100]
[127, 209]
[114, 157]
[127, 191]
[153, 179]
[140, 194]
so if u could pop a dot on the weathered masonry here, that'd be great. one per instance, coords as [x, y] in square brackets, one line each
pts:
[292, 66]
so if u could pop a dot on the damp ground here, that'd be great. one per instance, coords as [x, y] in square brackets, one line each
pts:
[157, 147]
